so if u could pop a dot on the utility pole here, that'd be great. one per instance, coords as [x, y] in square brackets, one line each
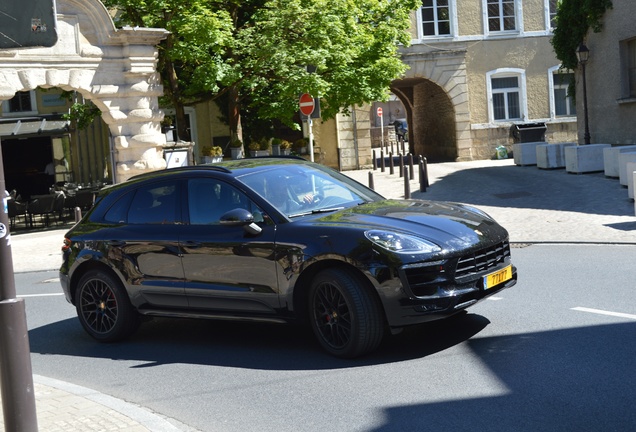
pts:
[24, 24]
[16, 376]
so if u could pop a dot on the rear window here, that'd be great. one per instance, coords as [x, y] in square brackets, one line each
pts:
[157, 203]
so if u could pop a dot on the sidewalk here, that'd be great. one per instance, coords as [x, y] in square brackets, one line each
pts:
[536, 206]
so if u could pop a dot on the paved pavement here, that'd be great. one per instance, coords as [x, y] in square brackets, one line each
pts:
[536, 206]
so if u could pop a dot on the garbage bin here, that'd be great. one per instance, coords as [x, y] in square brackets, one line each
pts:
[529, 132]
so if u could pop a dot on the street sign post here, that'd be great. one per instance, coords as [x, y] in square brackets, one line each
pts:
[379, 112]
[307, 106]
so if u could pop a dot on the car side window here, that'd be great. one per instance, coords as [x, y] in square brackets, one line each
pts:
[118, 212]
[209, 199]
[157, 203]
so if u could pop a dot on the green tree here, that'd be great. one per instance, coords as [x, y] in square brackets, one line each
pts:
[262, 54]
[574, 18]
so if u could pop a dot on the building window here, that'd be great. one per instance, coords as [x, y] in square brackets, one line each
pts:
[21, 104]
[505, 98]
[631, 67]
[507, 94]
[435, 18]
[552, 11]
[501, 15]
[564, 106]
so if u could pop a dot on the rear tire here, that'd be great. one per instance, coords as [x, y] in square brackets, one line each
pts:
[103, 307]
[345, 316]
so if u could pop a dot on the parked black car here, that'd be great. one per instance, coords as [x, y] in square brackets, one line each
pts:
[277, 240]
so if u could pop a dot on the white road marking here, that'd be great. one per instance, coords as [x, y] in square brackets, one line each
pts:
[602, 312]
[495, 298]
[40, 295]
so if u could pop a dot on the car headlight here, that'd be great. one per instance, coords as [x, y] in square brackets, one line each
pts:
[401, 243]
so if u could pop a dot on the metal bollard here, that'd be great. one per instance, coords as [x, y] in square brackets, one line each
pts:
[411, 168]
[371, 183]
[391, 164]
[375, 162]
[78, 214]
[407, 188]
[401, 166]
[422, 176]
[382, 163]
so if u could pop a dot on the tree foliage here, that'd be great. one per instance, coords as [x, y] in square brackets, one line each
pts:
[574, 19]
[262, 54]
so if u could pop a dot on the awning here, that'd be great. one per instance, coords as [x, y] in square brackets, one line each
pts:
[22, 127]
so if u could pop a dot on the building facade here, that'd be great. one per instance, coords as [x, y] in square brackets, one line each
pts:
[481, 73]
[610, 79]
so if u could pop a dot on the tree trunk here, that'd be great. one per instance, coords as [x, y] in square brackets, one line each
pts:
[234, 114]
[183, 131]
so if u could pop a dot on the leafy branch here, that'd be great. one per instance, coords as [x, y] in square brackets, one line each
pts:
[574, 19]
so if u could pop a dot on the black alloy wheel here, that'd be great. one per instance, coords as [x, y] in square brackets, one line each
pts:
[345, 316]
[103, 307]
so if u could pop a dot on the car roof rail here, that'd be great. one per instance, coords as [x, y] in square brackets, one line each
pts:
[185, 168]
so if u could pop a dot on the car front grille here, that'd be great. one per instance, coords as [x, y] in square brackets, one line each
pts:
[482, 259]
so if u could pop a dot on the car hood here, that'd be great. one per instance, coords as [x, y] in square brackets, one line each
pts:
[451, 225]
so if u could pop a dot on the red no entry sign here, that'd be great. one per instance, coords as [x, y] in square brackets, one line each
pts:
[379, 111]
[306, 104]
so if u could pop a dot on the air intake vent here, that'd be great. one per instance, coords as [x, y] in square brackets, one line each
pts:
[482, 260]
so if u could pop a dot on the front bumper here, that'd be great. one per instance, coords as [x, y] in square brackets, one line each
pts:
[66, 286]
[447, 300]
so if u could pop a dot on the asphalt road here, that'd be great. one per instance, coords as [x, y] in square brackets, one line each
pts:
[555, 352]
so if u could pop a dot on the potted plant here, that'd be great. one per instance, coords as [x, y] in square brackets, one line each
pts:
[285, 147]
[276, 146]
[212, 154]
[259, 148]
[236, 147]
[300, 145]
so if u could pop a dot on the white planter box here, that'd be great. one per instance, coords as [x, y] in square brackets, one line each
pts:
[631, 178]
[584, 158]
[623, 159]
[525, 153]
[610, 159]
[551, 156]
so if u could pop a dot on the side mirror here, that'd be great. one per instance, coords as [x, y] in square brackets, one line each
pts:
[240, 217]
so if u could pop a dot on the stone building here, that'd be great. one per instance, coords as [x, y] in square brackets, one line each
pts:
[482, 74]
[611, 79]
[113, 68]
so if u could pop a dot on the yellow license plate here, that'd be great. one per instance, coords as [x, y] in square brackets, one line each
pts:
[501, 276]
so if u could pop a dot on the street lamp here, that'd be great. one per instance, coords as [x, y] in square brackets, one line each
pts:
[583, 54]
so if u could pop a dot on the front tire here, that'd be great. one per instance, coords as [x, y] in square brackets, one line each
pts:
[103, 307]
[345, 316]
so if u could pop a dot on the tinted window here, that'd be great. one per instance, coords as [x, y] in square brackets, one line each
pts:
[209, 199]
[154, 204]
[118, 213]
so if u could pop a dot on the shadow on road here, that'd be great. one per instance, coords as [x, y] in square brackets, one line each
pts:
[246, 345]
[579, 379]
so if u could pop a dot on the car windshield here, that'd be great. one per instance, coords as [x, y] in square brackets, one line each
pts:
[298, 190]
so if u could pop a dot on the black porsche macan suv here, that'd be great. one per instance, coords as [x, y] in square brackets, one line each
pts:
[277, 240]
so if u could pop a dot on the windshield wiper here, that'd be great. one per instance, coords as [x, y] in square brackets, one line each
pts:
[316, 211]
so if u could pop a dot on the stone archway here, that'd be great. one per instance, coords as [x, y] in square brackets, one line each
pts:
[434, 92]
[114, 68]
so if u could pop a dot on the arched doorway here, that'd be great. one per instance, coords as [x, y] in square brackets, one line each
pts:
[113, 68]
[431, 118]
